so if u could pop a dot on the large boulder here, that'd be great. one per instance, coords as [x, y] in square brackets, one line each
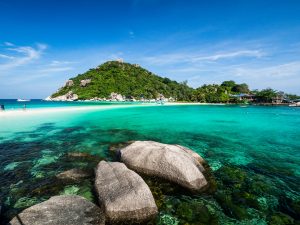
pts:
[61, 210]
[123, 194]
[171, 162]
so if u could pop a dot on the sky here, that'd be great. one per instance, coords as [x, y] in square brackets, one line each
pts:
[43, 43]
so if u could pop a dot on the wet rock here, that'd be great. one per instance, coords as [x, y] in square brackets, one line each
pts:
[80, 155]
[171, 162]
[290, 207]
[84, 189]
[74, 175]
[114, 150]
[166, 219]
[25, 202]
[61, 210]
[281, 219]
[232, 176]
[84, 157]
[230, 208]
[123, 193]
[192, 211]
[161, 188]
[116, 147]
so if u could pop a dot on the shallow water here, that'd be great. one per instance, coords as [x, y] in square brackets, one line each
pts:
[254, 153]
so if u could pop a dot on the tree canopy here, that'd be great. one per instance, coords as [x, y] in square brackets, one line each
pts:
[126, 79]
[132, 80]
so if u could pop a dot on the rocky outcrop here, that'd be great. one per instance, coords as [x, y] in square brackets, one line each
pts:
[70, 96]
[69, 83]
[123, 193]
[61, 210]
[85, 82]
[116, 97]
[74, 175]
[171, 162]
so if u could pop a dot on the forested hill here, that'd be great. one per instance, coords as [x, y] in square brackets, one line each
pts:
[125, 79]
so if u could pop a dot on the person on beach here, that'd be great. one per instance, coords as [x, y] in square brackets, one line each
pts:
[2, 108]
[24, 108]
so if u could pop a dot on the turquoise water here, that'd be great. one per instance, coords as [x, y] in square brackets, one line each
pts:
[38, 104]
[254, 153]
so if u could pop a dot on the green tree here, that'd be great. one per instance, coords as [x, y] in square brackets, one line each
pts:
[241, 88]
[266, 95]
[230, 84]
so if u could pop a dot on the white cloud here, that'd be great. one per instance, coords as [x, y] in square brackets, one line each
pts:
[61, 63]
[6, 56]
[8, 43]
[192, 57]
[235, 54]
[131, 34]
[285, 76]
[280, 71]
[55, 69]
[22, 55]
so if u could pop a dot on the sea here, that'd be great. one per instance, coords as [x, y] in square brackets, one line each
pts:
[253, 153]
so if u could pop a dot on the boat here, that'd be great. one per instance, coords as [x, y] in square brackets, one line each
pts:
[297, 104]
[23, 100]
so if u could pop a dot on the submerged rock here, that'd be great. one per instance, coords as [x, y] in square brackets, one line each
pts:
[123, 193]
[80, 154]
[116, 147]
[281, 219]
[25, 202]
[171, 162]
[61, 210]
[74, 175]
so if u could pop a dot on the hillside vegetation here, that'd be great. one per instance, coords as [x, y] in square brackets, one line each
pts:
[131, 80]
[126, 79]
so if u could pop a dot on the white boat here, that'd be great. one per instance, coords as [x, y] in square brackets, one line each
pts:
[23, 100]
[297, 104]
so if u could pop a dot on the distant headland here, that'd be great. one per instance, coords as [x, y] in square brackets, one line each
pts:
[121, 81]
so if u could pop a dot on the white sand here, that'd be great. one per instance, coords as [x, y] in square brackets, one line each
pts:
[30, 111]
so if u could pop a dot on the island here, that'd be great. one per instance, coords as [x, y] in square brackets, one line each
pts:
[120, 81]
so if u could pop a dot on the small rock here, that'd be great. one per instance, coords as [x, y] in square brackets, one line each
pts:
[85, 82]
[80, 154]
[61, 210]
[74, 174]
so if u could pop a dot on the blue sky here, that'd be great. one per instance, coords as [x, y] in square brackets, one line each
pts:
[45, 42]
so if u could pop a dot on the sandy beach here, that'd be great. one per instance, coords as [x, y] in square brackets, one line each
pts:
[32, 111]
[19, 112]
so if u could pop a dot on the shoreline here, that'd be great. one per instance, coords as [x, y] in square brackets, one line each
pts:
[31, 111]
